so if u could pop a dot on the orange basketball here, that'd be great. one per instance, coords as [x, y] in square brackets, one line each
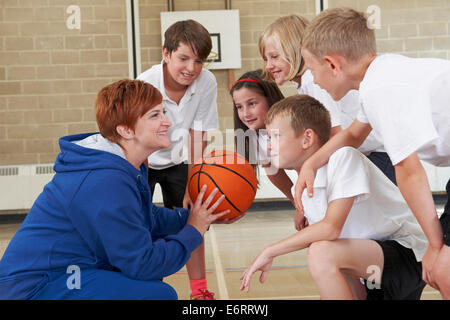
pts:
[229, 172]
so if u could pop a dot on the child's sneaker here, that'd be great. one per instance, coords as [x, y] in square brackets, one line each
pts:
[203, 294]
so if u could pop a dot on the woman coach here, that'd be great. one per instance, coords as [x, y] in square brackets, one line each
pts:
[96, 216]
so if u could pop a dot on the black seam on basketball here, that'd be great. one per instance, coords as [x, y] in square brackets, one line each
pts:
[198, 182]
[218, 165]
[226, 198]
[192, 176]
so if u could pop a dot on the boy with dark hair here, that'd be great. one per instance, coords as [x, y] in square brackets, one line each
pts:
[190, 99]
[350, 235]
[406, 101]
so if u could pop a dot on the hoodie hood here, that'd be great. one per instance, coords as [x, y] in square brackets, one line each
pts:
[90, 151]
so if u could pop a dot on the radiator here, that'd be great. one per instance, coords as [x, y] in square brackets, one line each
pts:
[20, 185]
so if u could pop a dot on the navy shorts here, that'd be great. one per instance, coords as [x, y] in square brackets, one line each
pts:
[384, 163]
[402, 274]
[173, 181]
[445, 218]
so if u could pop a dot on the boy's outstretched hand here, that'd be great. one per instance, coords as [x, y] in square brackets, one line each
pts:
[305, 181]
[263, 263]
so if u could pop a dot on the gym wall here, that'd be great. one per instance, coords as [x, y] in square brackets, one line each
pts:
[50, 74]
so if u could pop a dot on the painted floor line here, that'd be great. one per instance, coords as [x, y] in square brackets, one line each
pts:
[222, 285]
[238, 269]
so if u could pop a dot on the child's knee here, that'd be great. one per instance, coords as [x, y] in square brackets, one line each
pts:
[440, 275]
[320, 257]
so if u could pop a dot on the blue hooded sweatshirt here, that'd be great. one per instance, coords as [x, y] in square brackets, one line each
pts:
[95, 213]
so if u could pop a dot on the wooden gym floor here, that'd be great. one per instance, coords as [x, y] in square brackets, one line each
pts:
[231, 248]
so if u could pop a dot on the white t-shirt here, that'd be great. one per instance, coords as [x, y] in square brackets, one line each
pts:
[197, 110]
[379, 211]
[407, 103]
[342, 112]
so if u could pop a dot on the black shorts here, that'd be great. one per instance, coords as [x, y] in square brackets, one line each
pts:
[445, 218]
[402, 274]
[384, 163]
[173, 182]
[445, 223]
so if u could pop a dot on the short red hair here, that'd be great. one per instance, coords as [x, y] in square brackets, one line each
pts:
[123, 103]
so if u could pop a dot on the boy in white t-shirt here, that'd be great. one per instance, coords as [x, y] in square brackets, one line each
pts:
[405, 101]
[190, 100]
[359, 224]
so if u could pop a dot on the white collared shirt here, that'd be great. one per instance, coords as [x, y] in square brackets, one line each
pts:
[407, 102]
[379, 211]
[197, 110]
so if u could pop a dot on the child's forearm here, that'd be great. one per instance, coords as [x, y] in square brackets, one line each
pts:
[413, 184]
[304, 238]
[335, 130]
[327, 229]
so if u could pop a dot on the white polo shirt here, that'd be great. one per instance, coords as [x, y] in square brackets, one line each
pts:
[379, 211]
[407, 102]
[197, 110]
[342, 112]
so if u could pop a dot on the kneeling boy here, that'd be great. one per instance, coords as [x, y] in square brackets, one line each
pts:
[359, 224]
